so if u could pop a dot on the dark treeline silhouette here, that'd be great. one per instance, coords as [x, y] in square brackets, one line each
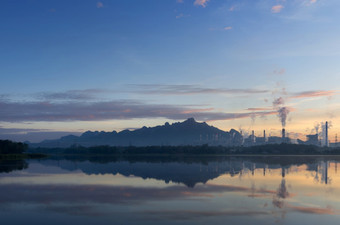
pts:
[274, 149]
[7, 166]
[10, 147]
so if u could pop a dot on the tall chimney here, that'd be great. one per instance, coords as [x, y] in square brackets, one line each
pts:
[264, 135]
[283, 133]
[253, 136]
[326, 134]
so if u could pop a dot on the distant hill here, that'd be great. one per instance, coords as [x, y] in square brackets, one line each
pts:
[188, 132]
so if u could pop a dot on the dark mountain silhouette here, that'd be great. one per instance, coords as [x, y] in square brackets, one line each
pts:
[188, 132]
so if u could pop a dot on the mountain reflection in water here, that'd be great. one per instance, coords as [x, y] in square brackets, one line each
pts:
[168, 190]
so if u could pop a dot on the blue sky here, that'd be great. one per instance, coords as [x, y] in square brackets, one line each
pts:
[72, 66]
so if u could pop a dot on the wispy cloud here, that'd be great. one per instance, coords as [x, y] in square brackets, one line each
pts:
[310, 2]
[228, 28]
[194, 214]
[202, 3]
[232, 8]
[277, 8]
[108, 110]
[86, 94]
[313, 94]
[280, 71]
[189, 90]
[100, 5]
[181, 15]
[314, 210]
[259, 109]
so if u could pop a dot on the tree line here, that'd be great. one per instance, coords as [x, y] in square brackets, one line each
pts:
[10, 147]
[273, 149]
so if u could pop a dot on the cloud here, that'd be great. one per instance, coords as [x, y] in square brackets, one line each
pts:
[194, 214]
[180, 1]
[107, 110]
[181, 15]
[202, 3]
[189, 90]
[280, 71]
[312, 1]
[259, 109]
[159, 89]
[228, 28]
[87, 94]
[277, 8]
[100, 5]
[313, 94]
[314, 210]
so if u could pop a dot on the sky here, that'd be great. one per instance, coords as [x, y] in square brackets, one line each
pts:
[68, 66]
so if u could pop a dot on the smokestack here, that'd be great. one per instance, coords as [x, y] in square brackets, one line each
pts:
[264, 135]
[283, 133]
[326, 134]
[253, 136]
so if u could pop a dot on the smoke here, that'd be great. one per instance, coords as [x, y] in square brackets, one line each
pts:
[330, 124]
[283, 111]
[278, 102]
[253, 118]
[245, 133]
[316, 127]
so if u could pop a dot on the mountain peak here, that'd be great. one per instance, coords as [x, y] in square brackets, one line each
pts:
[190, 120]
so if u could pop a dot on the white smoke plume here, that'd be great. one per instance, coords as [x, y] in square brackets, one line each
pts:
[316, 127]
[283, 111]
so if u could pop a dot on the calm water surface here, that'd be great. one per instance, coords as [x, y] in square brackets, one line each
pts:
[163, 190]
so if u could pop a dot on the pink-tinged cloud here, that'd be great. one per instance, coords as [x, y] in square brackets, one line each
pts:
[84, 110]
[232, 8]
[277, 8]
[100, 5]
[202, 3]
[180, 1]
[313, 94]
[313, 1]
[314, 210]
[228, 28]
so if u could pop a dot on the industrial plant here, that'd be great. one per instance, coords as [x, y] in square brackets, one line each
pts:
[317, 139]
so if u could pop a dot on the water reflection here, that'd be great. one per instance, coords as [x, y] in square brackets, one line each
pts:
[7, 166]
[193, 170]
[168, 190]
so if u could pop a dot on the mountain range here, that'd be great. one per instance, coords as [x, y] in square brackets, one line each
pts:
[188, 132]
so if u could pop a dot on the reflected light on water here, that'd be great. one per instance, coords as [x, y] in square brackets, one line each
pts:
[247, 190]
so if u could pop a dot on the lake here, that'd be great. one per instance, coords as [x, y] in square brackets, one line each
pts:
[171, 190]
